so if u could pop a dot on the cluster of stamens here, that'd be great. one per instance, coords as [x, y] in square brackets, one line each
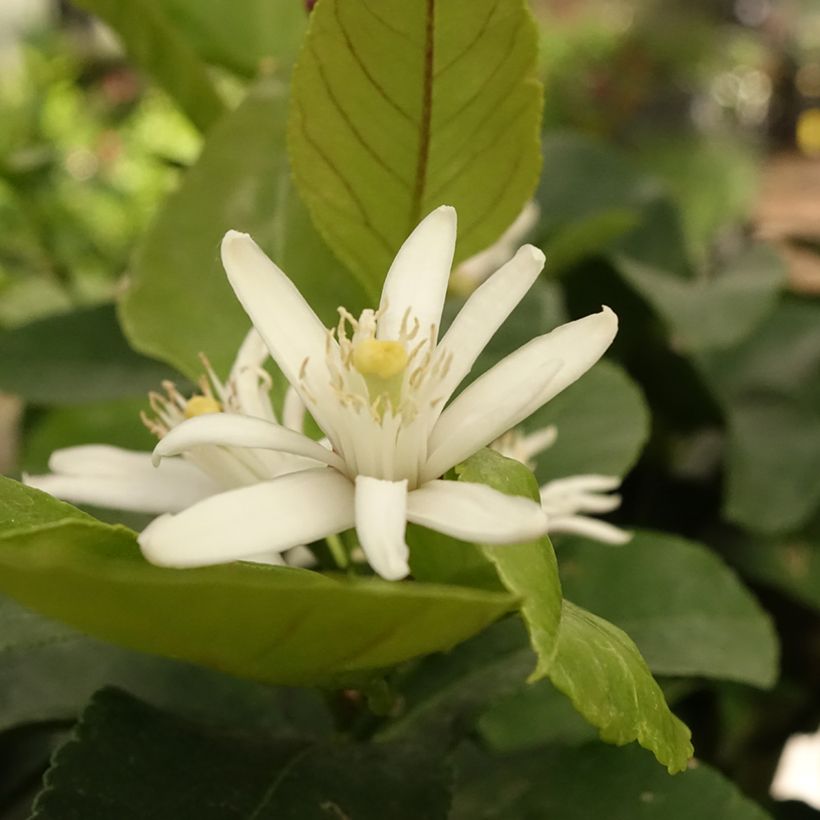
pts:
[394, 371]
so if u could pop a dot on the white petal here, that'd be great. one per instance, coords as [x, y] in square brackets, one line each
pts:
[592, 483]
[271, 516]
[482, 421]
[590, 528]
[250, 382]
[484, 312]
[293, 411]
[232, 430]
[475, 512]
[513, 389]
[381, 519]
[534, 443]
[417, 279]
[123, 480]
[291, 330]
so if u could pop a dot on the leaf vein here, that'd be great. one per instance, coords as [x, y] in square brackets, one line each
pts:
[472, 44]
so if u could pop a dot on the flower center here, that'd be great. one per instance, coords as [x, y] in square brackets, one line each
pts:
[201, 405]
[382, 359]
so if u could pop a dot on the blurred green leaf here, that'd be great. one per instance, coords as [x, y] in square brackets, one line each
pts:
[599, 668]
[769, 388]
[528, 570]
[595, 782]
[180, 302]
[73, 358]
[602, 421]
[686, 610]
[179, 770]
[242, 35]
[400, 107]
[286, 626]
[713, 312]
[160, 48]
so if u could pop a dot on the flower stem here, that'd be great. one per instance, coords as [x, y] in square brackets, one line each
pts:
[338, 551]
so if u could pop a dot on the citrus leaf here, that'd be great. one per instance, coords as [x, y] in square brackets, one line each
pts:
[160, 48]
[529, 570]
[272, 624]
[695, 617]
[239, 182]
[599, 668]
[404, 105]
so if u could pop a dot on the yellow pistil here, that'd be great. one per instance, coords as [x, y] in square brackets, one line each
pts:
[201, 405]
[382, 363]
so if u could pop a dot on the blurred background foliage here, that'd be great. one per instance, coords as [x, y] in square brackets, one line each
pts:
[681, 185]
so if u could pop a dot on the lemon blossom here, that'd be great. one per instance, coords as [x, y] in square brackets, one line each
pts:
[567, 501]
[378, 385]
[112, 477]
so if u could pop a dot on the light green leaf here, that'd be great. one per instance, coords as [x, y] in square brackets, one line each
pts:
[686, 610]
[713, 312]
[602, 421]
[154, 43]
[178, 769]
[272, 624]
[246, 36]
[73, 358]
[528, 570]
[240, 181]
[594, 782]
[404, 105]
[599, 668]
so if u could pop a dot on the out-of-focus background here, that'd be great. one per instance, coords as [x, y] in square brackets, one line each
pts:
[710, 105]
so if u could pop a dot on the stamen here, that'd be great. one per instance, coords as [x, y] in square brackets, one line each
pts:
[201, 406]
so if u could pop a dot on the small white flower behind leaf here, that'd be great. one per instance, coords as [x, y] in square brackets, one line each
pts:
[568, 501]
[378, 385]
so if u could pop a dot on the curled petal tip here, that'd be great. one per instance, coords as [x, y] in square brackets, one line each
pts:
[536, 253]
[234, 236]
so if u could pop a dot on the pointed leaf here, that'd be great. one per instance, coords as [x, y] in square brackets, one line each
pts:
[404, 105]
[272, 624]
[599, 668]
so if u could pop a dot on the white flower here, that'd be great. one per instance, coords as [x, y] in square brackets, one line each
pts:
[108, 476]
[378, 386]
[470, 273]
[566, 500]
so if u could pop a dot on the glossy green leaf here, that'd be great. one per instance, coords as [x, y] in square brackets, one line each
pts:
[155, 44]
[594, 782]
[599, 668]
[178, 769]
[240, 181]
[686, 610]
[714, 312]
[528, 570]
[246, 36]
[271, 624]
[602, 422]
[404, 105]
[73, 358]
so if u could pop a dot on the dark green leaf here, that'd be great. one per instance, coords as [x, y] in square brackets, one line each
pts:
[74, 358]
[272, 624]
[160, 48]
[399, 107]
[595, 782]
[239, 182]
[684, 608]
[528, 570]
[179, 770]
[714, 312]
[599, 668]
